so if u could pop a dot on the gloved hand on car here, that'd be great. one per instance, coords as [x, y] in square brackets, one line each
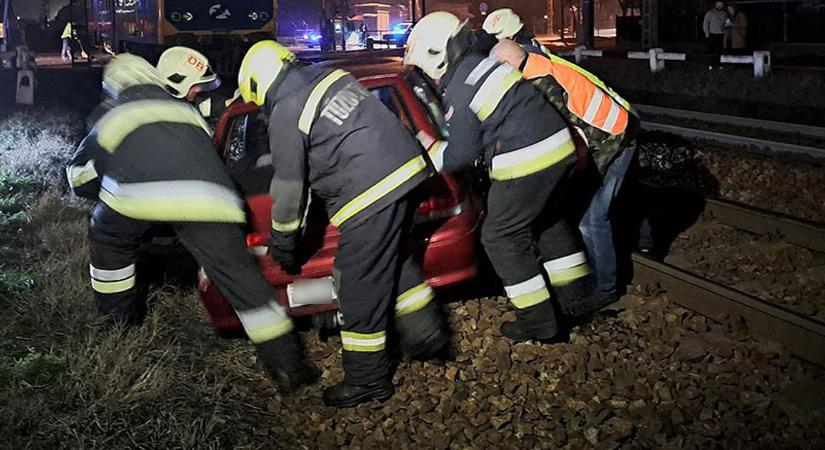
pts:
[282, 248]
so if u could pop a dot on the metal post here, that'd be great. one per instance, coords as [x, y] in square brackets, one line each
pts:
[585, 35]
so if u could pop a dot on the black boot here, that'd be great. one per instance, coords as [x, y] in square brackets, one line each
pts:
[345, 395]
[534, 323]
[286, 362]
[422, 333]
[589, 304]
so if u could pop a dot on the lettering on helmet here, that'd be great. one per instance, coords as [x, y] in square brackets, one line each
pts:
[340, 106]
[494, 20]
[195, 61]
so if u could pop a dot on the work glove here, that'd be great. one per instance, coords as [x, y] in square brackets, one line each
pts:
[282, 249]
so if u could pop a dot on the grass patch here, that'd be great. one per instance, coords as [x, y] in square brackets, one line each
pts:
[33, 369]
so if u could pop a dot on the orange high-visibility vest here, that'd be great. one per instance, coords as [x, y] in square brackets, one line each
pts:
[585, 99]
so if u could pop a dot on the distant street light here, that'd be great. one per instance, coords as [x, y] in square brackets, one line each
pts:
[545, 17]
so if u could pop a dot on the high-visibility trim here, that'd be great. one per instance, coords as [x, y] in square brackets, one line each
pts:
[80, 175]
[379, 190]
[566, 262]
[286, 227]
[436, 153]
[113, 287]
[413, 299]
[176, 200]
[307, 117]
[118, 123]
[564, 277]
[593, 106]
[489, 95]
[482, 68]
[205, 107]
[612, 117]
[528, 293]
[112, 275]
[533, 158]
[266, 322]
[361, 342]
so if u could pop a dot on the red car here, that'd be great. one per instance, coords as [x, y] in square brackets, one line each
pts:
[446, 223]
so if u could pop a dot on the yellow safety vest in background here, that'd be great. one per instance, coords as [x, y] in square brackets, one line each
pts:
[67, 31]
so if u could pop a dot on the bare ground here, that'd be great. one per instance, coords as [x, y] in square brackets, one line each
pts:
[649, 374]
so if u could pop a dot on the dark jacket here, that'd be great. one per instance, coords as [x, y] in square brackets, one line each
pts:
[494, 114]
[329, 134]
[150, 157]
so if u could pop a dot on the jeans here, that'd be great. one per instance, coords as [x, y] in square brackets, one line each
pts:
[596, 228]
[66, 52]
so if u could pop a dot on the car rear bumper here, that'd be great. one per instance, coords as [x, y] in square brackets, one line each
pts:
[449, 258]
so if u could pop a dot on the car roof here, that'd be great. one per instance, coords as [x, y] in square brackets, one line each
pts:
[369, 65]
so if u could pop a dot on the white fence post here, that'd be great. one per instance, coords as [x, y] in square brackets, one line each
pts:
[761, 63]
[656, 64]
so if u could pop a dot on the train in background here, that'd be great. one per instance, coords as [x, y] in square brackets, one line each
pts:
[222, 29]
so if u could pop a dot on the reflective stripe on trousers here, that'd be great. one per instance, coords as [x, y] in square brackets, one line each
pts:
[265, 323]
[112, 281]
[528, 293]
[174, 200]
[413, 299]
[567, 269]
[533, 158]
[363, 342]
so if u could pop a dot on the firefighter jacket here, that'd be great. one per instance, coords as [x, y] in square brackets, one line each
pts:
[492, 113]
[328, 133]
[607, 122]
[150, 157]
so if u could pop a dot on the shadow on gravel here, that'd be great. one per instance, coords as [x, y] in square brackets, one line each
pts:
[664, 195]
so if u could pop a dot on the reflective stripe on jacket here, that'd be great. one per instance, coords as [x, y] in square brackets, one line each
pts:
[150, 157]
[494, 114]
[328, 133]
[585, 99]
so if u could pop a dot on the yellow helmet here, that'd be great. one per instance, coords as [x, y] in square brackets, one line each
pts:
[182, 68]
[503, 23]
[427, 43]
[126, 71]
[260, 67]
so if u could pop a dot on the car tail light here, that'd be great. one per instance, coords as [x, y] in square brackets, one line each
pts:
[256, 244]
[444, 200]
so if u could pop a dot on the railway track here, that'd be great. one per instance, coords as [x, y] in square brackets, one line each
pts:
[801, 335]
[816, 134]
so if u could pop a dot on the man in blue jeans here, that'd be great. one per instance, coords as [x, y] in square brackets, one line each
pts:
[597, 229]
[607, 124]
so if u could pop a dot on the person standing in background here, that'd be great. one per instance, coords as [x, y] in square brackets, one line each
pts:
[713, 26]
[68, 34]
[736, 30]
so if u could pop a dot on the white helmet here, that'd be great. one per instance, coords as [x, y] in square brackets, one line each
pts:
[503, 23]
[427, 43]
[182, 68]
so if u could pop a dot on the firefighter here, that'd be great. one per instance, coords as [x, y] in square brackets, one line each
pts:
[188, 75]
[605, 120]
[149, 160]
[328, 133]
[528, 151]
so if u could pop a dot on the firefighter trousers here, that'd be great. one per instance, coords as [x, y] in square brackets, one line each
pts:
[525, 232]
[220, 248]
[375, 275]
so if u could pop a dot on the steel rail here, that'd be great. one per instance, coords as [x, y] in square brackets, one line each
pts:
[795, 231]
[802, 336]
[772, 146]
[745, 122]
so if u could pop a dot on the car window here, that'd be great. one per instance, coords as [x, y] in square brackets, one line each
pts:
[389, 97]
[430, 100]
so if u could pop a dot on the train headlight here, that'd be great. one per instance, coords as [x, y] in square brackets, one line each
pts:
[175, 16]
[264, 15]
[252, 15]
[187, 16]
